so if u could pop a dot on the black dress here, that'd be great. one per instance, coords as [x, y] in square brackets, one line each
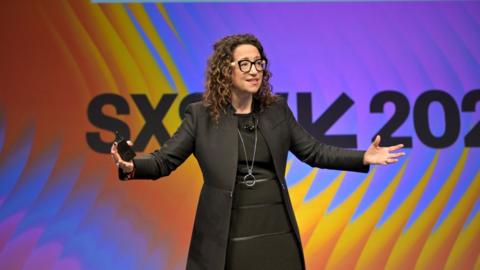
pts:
[261, 236]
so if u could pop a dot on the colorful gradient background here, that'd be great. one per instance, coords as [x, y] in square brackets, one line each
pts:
[62, 207]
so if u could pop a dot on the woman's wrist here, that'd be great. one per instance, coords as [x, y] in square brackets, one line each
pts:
[128, 172]
[365, 162]
[128, 168]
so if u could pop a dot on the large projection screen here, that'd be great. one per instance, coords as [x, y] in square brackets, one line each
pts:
[73, 71]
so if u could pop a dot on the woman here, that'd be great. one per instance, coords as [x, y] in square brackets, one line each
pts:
[241, 134]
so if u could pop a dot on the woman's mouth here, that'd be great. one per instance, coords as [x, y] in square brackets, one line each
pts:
[253, 81]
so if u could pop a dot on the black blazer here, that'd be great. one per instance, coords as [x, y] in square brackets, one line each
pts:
[216, 148]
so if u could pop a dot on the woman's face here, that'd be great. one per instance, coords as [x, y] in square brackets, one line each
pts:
[247, 76]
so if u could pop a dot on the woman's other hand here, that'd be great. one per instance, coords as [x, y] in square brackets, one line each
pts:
[126, 166]
[378, 155]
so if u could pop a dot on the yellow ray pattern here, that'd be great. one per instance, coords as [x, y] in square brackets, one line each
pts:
[355, 235]
[331, 225]
[377, 249]
[159, 45]
[299, 191]
[410, 243]
[435, 252]
[309, 213]
[156, 82]
[161, 8]
[172, 118]
[115, 52]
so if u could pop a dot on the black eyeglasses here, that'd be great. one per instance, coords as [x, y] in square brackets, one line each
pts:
[245, 65]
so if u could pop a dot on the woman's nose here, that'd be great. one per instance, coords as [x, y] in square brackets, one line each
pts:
[253, 70]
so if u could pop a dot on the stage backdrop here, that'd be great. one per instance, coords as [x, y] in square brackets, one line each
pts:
[72, 72]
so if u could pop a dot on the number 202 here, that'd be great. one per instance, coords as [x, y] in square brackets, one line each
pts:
[421, 117]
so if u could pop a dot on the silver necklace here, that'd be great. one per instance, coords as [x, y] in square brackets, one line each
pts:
[249, 179]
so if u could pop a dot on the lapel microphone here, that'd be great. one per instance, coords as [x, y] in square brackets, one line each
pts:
[251, 125]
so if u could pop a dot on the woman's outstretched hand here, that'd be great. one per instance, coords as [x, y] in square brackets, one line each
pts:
[378, 155]
[126, 166]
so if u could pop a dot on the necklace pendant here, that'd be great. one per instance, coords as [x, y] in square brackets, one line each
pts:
[249, 180]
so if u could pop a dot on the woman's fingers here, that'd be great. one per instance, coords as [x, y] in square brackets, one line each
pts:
[126, 166]
[114, 152]
[376, 142]
[392, 160]
[395, 147]
[113, 149]
[396, 155]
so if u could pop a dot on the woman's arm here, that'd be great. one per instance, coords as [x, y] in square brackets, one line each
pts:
[309, 150]
[164, 160]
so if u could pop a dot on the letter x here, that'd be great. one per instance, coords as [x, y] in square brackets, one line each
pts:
[153, 119]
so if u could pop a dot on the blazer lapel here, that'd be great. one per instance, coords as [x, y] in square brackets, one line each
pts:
[228, 129]
[267, 122]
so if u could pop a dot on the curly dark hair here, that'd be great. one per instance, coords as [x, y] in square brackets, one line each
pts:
[218, 84]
